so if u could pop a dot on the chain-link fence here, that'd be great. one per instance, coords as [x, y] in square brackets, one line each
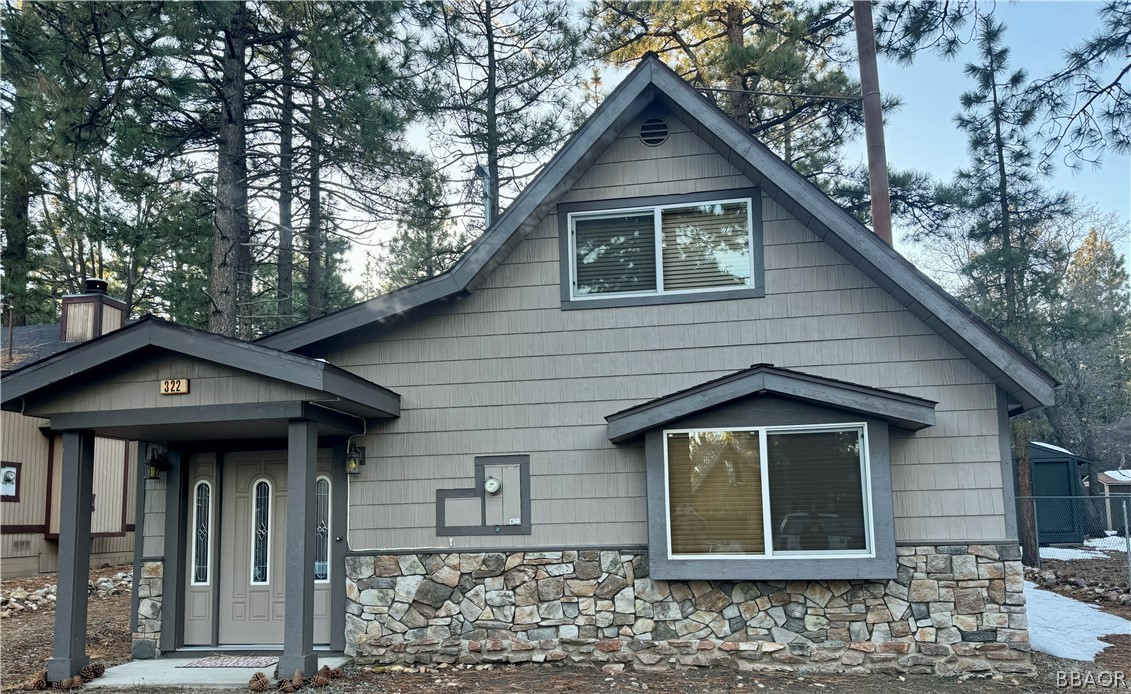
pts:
[1070, 528]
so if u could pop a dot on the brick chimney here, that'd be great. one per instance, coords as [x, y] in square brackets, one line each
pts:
[90, 314]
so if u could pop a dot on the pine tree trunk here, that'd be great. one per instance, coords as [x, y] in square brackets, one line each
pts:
[285, 309]
[492, 113]
[740, 100]
[1003, 200]
[314, 287]
[230, 226]
[1026, 512]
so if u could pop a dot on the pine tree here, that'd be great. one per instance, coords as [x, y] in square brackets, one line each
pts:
[426, 243]
[508, 69]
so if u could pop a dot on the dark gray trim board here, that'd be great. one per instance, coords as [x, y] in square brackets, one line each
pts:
[339, 524]
[205, 414]
[903, 411]
[959, 541]
[176, 549]
[614, 301]
[75, 498]
[478, 549]
[298, 614]
[476, 492]
[355, 394]
[1005, 446]
[772, 411]
[653, 84]
[139, 530]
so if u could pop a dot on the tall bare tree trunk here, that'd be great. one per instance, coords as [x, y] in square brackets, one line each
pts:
[1027, 512]
[492, 112]
[739, 99]
[230, 226]
[1003, 201]
[285, 309]
[314, 288]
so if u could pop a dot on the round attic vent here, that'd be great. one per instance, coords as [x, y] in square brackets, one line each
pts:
[654, 132]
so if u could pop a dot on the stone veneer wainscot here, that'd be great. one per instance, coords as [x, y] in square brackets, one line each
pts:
[951, 609]
[149, 590]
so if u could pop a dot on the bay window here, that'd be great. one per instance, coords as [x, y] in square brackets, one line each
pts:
[762, 492]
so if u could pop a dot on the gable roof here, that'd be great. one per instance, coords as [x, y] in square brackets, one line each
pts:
[903, 411]
[357, 395]
[1025, 382]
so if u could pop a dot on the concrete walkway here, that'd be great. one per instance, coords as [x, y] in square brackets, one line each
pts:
[164, 672]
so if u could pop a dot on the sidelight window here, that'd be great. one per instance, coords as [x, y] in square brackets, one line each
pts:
[202, 533]
[261, 533]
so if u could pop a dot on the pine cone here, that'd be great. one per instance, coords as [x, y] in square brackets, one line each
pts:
[324, 670]
[288, 687]
[87, 673]
[99, 669]
[37, 683]
[276, 674]
[257, 684]
[296, 681]
[336, 673]
[319, 680]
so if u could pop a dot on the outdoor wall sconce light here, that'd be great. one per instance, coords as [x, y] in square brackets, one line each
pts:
[155, 464]
[355, 458]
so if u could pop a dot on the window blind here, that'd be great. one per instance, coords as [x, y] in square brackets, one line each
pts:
[817, 498]
[715, 493]
[705, 246]
[615, 254]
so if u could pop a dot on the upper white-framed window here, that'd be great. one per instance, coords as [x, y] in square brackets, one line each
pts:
[202, 534]
[675, 248]
[261, 518]
[322, 501]
[773, 492]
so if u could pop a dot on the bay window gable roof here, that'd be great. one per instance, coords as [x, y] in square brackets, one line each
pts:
[902, 411]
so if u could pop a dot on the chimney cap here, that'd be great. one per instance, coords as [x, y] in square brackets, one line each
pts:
[95, 286]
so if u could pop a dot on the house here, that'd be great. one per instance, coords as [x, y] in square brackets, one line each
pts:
[31, 454]
[544, 453]
[1058, 474]
[1117, 483]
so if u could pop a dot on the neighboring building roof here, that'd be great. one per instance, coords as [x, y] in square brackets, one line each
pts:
[903, 411]
[357, 395]
[1023, 380]
[1039, 450]
[1116, 477]
[30, 343]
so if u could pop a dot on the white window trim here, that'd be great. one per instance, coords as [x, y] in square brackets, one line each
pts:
[764, 473]
[195, 520]
[329, 521]
[657, 240]
[270, 529]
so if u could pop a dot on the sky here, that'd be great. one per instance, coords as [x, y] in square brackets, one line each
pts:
[922, 134]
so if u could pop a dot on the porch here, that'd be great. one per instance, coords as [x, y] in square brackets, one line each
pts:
[241, 448]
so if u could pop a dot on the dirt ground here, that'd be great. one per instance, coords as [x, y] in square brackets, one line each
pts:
[25, 645]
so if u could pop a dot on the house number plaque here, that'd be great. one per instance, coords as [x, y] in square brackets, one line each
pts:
[174, 386]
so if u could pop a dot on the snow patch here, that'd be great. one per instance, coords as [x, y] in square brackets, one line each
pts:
[1111, 542]
[1068, 553]
[1068, 628]
[1119, 475]
[1051, 447]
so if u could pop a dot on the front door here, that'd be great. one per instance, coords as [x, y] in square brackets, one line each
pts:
[250, 553]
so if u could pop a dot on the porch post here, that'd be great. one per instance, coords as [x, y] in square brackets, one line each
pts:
[75, 508]
[298, 627]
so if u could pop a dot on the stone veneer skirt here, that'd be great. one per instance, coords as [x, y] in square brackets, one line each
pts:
[951, 609]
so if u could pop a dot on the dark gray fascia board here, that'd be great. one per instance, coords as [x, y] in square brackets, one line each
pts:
[903, 411]
[200, 414]
[628, 100]
[152, 332]
[1029, 383]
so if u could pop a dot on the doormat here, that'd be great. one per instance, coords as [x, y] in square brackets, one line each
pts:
[233, 661]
